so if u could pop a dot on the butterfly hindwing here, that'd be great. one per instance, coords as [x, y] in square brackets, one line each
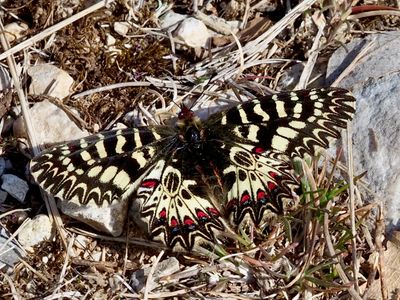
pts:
[261, 137]
[175, 207]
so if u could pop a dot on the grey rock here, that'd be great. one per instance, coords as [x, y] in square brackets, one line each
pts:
[164, 268]
[383, 58]
[376, 138]
[2, 165]
[375, 83]
[3, 196]
[14, 186]
[10, 253]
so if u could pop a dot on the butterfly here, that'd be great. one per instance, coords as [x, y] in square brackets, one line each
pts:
[189, 182]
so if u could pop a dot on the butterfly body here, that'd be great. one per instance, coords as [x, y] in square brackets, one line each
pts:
[190, 182]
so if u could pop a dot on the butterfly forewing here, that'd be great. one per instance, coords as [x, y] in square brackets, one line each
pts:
[101, 168]
[294, 123]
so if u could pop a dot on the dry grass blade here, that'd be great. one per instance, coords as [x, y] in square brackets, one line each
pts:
[374, 14]
[49, 200]
[14, 292]
[150, 276]
[306, 74]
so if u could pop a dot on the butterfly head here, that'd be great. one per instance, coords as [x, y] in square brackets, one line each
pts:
[187, 118]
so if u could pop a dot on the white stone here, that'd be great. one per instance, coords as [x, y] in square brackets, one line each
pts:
[82, 242]
[37, 230]
[51, 124]
[49, 80]
[110, 40]
[192, 32]
[14, 186]
[164, 268]
[15, 30]
[170, 20]
[122, 28]
[108, 218]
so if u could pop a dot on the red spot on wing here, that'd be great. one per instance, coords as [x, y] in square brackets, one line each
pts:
[272, 174]
[188, 221]
[185, 113]
[150, 183]
[173, 222]
[260, 195]
[245, 199]
[213, 211]
[231, 204]
[201, 215]
[271, 186]
[72, 148]
[163, 214]
[259, 150]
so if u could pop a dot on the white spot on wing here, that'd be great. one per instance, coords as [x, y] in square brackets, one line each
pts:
[85, 155]
[122, 179]
[243, 116]
[297, 124]
[280, 143]
[120, 144]
[223, 120]
[94, 172]
[259, 111]
[136, 138]
[253, 130]
[83, 143]
[66, 161]
[100, 149]
[108, 174]
[287, 132]
[139, 156]
[280, 109]
[70, 167]
[318, 104]
[298, 108]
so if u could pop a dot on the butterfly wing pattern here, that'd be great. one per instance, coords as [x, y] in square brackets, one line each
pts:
[190, 182]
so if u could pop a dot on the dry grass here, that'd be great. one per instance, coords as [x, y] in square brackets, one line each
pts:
[325, 248]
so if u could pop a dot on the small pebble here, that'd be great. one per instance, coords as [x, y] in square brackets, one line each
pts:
[14, 186]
